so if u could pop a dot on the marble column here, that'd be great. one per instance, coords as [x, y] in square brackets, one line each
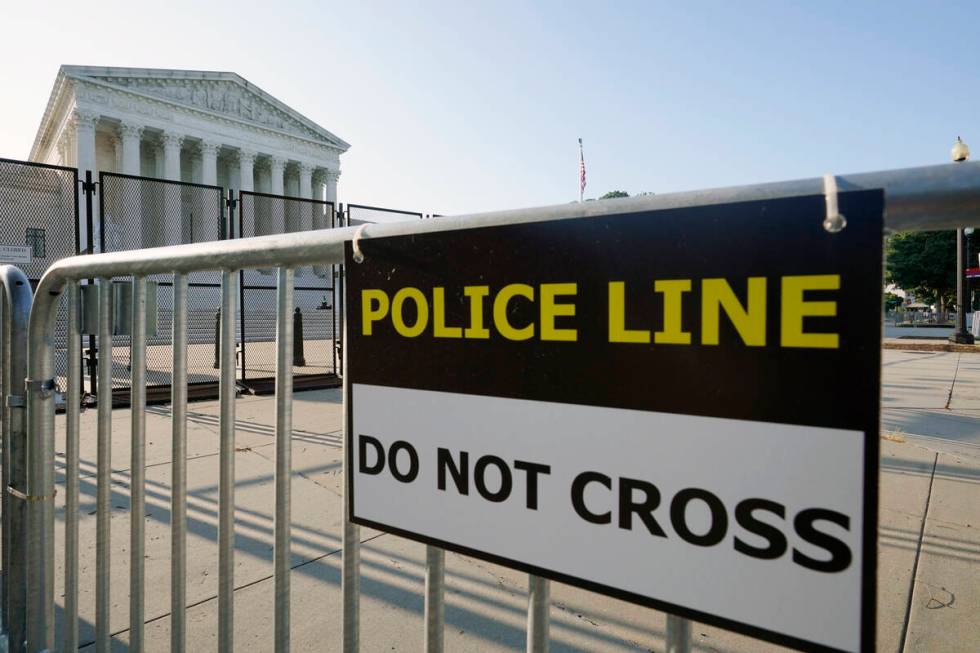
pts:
[331, 177]
[246, 181]
[321, 217]
[330, 194]
[66, 201]
[209, 162]
[277, 170]
[131, 134]
[84, 123]
[131, 231]
[172, 143]
[277, 165]
[116, 153]
[292, 209]
[205, 223]
[173, 229]
[246, 168]
[306, 192]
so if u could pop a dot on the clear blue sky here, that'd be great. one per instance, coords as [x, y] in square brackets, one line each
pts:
[456, 107]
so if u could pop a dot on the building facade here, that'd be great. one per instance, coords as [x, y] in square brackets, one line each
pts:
[212, 128]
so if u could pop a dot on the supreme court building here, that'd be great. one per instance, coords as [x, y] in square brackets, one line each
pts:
[213, 128]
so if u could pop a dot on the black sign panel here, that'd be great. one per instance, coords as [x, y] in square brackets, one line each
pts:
[694, 391]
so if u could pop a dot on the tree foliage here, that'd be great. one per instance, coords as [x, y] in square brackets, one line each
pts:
[924, 263]
[614, 194]
[892, 301]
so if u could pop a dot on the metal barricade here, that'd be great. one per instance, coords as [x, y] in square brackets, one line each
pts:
[924, 198]
[15, 302]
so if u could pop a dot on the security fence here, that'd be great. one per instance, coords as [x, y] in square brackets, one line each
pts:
[39, 213]
[141, 212]
[39, 210]
[314, 313]
[929, 198]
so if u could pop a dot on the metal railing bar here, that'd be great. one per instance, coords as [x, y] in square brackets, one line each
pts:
[35, 164]
[168, 182]
[678, 636]
[103, 480]
[284, 432]
[226, 480]
[137, 485]
[72, 418]
[538, 609]
[435, 612]
[178, 512]
[382, 209]
[16, 302]
[307, 200]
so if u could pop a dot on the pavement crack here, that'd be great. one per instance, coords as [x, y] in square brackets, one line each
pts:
[918, 552]
[949, 397]
[299, 473]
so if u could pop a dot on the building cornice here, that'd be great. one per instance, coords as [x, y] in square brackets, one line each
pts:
[93, 92]
[75, 83]
[91, 74]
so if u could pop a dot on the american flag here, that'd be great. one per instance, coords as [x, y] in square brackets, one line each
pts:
[581, 171]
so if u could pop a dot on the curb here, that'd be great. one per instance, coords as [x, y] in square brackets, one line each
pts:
[948, 346]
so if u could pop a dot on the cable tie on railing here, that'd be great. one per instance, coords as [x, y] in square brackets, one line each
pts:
[835, 221]
[14, 492]
[46, 387]
[356, 244]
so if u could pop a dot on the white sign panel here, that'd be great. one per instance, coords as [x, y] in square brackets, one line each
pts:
[703, 502]
[15, 255]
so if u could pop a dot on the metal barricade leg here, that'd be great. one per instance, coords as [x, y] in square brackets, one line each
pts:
[39, 547]
[137, 484]
[178, 490]
[72, 410]
[16, 300]
[350, 580]
[678, 634]
[435, 579]
[104, 470]
[538, 607]
[284, 433]
[226, 481]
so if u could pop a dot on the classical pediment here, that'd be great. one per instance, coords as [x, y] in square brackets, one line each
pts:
[224, 94]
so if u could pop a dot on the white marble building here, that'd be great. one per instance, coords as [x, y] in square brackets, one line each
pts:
[211, 128]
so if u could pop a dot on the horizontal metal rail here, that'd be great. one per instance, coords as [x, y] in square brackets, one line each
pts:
[937, 197]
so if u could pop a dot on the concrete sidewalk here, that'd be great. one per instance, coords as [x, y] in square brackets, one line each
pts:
[930, 511]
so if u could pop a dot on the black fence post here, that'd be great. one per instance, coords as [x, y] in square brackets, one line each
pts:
[88, 187]
[299, 359]
[343, 217]
[232, 204]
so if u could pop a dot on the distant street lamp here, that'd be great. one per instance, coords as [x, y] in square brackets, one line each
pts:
[961, 152]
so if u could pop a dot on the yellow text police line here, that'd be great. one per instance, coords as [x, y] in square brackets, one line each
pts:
[488, 312]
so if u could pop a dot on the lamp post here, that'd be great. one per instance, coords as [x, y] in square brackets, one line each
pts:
[960, 152]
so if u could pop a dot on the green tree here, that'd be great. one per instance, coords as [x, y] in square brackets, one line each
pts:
[924, 262]
[892, 301]
[614, 194]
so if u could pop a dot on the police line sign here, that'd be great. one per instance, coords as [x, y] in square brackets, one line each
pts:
[676, 407]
